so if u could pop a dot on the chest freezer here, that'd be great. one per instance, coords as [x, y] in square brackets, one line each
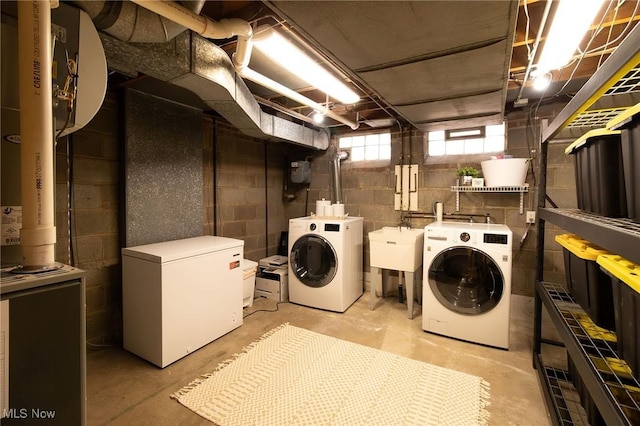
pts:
[178, 296]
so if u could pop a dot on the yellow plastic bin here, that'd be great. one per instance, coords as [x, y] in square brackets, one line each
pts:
[625, 279]
[600, 184]
[586, 282]
[629, 123]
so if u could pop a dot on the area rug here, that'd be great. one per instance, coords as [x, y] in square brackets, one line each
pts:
[293, 376]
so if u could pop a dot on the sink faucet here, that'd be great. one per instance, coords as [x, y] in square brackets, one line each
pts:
[404, 222]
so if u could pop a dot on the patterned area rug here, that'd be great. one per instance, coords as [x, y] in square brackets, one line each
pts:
[293, 376]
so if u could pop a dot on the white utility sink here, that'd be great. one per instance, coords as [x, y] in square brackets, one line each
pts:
[397, 248]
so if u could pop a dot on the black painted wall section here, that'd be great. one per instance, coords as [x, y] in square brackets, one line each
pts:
[163, 170]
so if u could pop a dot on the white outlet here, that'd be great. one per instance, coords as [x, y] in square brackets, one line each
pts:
[531, 216]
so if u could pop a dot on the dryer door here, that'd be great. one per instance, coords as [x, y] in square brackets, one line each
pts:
[313, 260]
[466, 280]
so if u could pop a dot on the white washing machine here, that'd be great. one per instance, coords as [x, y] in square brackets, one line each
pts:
[325, 262]
[467, 282]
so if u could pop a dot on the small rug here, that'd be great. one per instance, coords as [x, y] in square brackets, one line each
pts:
[293, 376]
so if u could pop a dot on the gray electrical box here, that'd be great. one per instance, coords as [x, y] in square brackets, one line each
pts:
[300, 172]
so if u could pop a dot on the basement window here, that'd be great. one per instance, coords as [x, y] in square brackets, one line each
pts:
[371, 147]
[467, 142]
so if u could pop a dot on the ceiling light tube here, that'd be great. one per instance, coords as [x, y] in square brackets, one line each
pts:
[264, 81]
[570, 23]
[284, 53]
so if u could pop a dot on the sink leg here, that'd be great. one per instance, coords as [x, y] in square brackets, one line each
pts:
[409, 284]
[385, 281]
[375, 278]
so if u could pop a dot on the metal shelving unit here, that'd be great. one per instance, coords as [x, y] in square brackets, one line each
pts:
[615, 392]
[517, 188]
[611, 385]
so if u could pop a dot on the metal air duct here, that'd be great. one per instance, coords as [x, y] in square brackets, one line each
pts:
[196, 64]
[129, 22]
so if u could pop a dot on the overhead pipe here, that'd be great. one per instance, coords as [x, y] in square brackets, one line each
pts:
[38, 233]
[536, 43]
[129, 22]
[336, 177]
[228, 28]
[285, 110]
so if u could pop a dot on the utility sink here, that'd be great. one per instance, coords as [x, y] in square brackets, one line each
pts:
[397, 248]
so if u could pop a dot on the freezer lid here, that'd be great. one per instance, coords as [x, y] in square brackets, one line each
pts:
[179, 249]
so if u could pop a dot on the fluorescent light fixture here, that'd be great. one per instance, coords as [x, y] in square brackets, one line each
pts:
[570, 23]
[288, 56]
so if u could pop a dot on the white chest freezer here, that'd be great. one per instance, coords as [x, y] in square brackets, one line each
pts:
[177, 296]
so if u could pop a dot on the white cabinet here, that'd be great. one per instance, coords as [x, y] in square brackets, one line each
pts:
[180, 295]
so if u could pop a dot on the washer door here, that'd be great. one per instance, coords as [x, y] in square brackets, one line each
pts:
[466, 280]
[313, 260]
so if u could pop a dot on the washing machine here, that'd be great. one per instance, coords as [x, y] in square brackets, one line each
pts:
[467, 282]
[325, 262]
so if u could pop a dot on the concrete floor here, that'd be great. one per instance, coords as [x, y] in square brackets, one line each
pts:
[124, 389]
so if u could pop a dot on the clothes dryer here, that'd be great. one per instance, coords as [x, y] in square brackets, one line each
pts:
[325, 262]
[467, 282]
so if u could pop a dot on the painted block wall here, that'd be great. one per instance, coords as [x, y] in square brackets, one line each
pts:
[248, 204]
[242, 197]
[369, 192]
[93, 213]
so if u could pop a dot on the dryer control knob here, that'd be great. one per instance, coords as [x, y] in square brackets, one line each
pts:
[465, 237]
[312, 226]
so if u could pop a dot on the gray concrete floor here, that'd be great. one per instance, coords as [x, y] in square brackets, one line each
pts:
[124, 389]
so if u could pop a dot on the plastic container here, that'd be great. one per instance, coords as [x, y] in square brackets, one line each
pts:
[505, 171]
[249, 268]
[594, 417]
[629, 123]
[625, 280]
[600, 182]
[586, 282]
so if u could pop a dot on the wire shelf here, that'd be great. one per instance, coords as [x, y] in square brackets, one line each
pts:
[595, 118]
[519, 188]
[507, 189]
[627, 84]
[562, 395]
[620, 389]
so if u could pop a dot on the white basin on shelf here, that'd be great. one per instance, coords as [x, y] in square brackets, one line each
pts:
[397, 248]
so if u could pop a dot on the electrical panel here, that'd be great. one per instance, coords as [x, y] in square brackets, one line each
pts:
[300, 172]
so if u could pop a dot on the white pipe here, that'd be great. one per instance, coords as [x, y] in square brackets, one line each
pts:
[536, 43]
[227, 28]
[260, 79]
[285, 110]
[38, 233]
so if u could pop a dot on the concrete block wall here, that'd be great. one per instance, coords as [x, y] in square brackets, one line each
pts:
[248, 175]
[94, 211]
[246, 200]
[242, 192]
[369, 192]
